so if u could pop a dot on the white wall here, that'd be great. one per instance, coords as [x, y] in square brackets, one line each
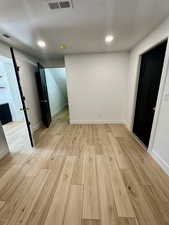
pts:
[160, 148]
[5, 93]
[13, 89]
[10, 94]
[97, 87]
[159, 141]
[57, 90]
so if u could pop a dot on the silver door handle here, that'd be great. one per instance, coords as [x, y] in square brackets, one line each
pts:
[21, 109]
[44, 101]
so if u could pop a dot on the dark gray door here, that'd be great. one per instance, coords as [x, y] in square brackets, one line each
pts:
[149, 81]
[43, 95]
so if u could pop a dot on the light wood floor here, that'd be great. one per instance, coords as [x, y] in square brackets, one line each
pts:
[83, 175]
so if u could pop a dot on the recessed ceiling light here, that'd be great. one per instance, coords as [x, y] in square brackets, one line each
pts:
[109, 38]
[41, 44]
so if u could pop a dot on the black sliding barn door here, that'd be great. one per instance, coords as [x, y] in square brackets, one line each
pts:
[149, 81]
[43, 95]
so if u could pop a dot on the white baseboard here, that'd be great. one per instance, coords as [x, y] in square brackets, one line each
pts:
[161, 162]
[154, 155]
[138, 141]
[95, 122]
[3, 154]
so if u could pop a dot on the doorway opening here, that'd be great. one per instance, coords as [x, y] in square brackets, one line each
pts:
[148, 86]
[11, 110]
[52, 88]
[57, 91]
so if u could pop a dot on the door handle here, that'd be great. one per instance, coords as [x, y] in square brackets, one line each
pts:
[43, 101]
[22, 109]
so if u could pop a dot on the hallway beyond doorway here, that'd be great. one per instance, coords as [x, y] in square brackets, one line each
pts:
[59, 120]
[57, 89]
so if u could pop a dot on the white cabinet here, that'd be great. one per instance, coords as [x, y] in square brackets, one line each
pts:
[3, 144]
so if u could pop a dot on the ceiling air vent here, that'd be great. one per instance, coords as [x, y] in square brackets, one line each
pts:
[53, 5]
[60, 4]
[64, 4]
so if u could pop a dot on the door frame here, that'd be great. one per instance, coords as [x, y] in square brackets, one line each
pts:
[149, 149]
[16, 68]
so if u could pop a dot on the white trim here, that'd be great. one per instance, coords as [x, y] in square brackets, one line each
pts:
[95, 122]
[159, 99]
[160, 93]
[160, 161]
[135, 92]
[3, 154]
[138, 141]
[153, 154]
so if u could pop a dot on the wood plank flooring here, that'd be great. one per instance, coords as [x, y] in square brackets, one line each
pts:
[83, 175]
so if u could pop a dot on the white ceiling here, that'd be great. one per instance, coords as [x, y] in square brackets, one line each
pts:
[82, 28]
